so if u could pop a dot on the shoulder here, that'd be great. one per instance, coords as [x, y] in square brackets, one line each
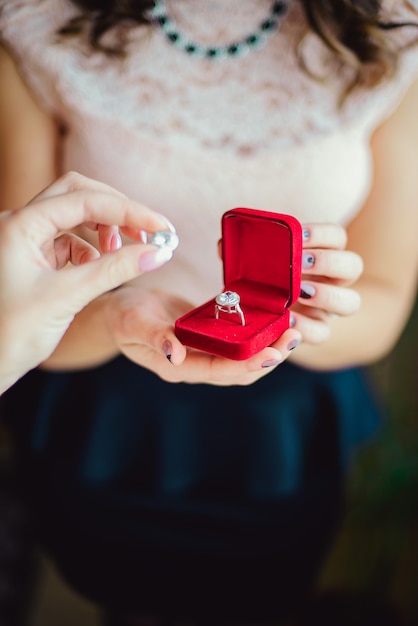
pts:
[24, 21]
[28, 30]
[373, 107]
[405, 14]
[400, 8]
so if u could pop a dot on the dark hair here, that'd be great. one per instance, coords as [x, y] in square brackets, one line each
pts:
[352, 29]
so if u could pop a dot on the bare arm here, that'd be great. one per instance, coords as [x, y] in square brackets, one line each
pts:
[29, 146]
[28, 140]
[384, 234]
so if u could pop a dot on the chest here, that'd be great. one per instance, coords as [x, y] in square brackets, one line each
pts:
[183, 132]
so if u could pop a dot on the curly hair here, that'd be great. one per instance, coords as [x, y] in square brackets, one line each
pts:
[352, 29]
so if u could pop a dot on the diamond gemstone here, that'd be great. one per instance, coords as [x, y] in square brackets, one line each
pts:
[165, 239]
[228, 298]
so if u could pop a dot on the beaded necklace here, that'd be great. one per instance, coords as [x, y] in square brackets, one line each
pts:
[256, 39]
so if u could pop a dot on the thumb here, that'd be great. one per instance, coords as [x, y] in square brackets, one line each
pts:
[80, 285]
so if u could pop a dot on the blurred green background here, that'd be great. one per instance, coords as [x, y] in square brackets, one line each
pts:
[376, 550]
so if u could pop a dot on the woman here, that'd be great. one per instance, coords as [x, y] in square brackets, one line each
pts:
[214, 500]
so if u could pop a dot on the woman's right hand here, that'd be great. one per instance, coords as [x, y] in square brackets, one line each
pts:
[142, 325]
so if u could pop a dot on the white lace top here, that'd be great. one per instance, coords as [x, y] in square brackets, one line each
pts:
[193, 138]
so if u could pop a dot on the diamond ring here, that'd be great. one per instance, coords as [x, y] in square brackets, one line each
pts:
[228, 302]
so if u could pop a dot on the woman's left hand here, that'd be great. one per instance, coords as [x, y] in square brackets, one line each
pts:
[328, 271]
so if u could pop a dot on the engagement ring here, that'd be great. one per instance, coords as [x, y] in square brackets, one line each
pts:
[228, 302]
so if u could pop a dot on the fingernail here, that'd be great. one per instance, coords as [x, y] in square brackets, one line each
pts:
[153, 259]
[171, 226]
[271, 363]
[306, 233]
[292, 321]
[293, 344]
[167, 349]
[308, 260]
[307, 291]
[115, 242]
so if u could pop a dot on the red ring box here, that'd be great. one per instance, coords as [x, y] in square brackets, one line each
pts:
[262, 258]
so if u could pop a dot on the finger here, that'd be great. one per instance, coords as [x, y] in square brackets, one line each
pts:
[136, 234]
[69, 248]
[109, 238]
[202, 367]
[73, 181]
[331, 236]
[90, 280]
[63, 212]
[330, 298]
[342, 265]
[313, 331]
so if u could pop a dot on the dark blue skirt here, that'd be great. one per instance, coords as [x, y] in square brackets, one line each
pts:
[186, 498]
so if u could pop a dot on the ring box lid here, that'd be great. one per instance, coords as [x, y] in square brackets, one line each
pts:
[261, 253]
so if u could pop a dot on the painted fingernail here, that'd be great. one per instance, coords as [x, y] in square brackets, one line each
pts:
[308, 260]
[307, 291]
[292, 321]
[306, 233]
[293, 344]
[153, 259]
[270, 363]
[171, 226]
[115, 242]
[167, 349]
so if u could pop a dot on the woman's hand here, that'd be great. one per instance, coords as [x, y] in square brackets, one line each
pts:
[40, 289]
[142, 324]
[328, 271]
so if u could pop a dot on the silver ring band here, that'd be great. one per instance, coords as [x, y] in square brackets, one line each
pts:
[229, 302]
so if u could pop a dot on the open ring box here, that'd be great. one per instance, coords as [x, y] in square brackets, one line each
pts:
[262, 258]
